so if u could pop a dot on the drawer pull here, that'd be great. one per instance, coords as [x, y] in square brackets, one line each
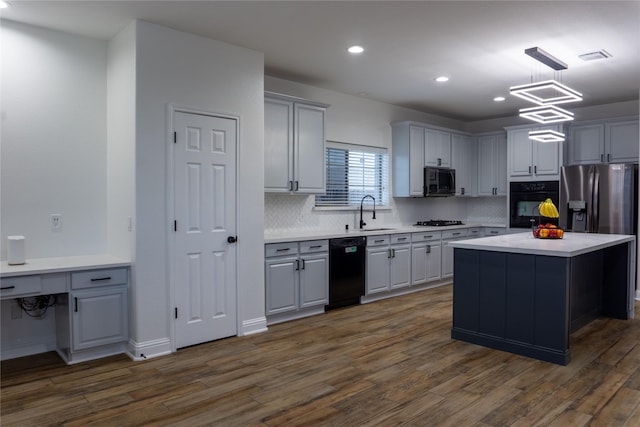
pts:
[378, 241]
[7, 287]
[456, 234]
[427, 237]
[402, 238]
[101, 279]
[75, 305]
[315, 247]
[282, 250]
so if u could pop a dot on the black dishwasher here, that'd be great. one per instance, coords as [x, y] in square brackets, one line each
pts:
[346, 271]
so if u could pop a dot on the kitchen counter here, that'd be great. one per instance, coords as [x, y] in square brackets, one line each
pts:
[525, 295]
[572, 244]
[58, 264]
[300, 235]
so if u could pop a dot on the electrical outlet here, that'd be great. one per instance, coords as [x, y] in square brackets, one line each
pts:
[56, 222]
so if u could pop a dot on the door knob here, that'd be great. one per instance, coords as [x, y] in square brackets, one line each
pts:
[232, 239]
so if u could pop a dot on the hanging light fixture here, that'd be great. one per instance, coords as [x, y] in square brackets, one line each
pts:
[546, 114]
[548, 92]
[547, 135]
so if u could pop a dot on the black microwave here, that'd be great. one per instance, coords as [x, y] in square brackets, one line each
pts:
[439, 182]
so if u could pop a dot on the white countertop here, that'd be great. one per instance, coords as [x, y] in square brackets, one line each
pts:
[58, 264]
[572, 244]
[299, 235]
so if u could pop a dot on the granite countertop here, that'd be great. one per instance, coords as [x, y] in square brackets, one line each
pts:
[61, 264]
[299, 235]
[572, 244]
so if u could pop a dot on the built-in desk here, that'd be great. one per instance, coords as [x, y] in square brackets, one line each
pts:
[525, 295]
[91, 308]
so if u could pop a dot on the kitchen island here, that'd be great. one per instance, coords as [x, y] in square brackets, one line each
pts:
[525, 295]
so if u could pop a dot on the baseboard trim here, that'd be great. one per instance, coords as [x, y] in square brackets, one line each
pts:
[27, 350]
[253, 326]
[139, 351]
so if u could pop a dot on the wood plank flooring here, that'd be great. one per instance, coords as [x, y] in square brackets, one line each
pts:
[391, 362]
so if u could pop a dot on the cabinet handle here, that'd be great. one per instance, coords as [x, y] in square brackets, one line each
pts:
[297, 265]
[297, 186]
[303, 265]
[608, 157]
[462, 190]
[494, 232]
[427, 237]
[378, 241]
[7, 287]
[393, 253]
[282, 250]
[456, 234]
[439, 161]
[529, 170]
[402, 238]
[315, 246]
[428, 249]
[535, 169]
[602, 158]
[290, 185]
[75, 303]
[388, 253]
[101, 279]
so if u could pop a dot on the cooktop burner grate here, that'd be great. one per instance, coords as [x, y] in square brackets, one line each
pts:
[439, 223]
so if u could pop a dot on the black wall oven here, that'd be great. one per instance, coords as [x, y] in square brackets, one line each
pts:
[524, 198]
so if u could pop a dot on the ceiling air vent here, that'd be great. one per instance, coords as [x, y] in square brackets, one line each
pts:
[592, 56]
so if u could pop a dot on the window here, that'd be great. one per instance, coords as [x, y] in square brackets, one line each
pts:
[353, 171]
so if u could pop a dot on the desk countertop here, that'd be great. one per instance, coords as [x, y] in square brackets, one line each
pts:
[59, 264]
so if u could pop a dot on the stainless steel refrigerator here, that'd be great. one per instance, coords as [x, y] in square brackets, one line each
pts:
[599, 198]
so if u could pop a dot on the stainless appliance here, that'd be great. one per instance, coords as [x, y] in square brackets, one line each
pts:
[346, 271]
[524, 198]
[439, 182]
[599, 198]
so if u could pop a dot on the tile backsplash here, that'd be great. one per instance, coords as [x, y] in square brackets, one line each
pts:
[295, 212]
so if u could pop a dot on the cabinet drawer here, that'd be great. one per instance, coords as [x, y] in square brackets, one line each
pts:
[474, 232]
[426, 236]
[281, 249]
[13, 287]
[377, 240]
[314, 246]
[454, 234]
[400, 238]
[97, 278]
[494, 231]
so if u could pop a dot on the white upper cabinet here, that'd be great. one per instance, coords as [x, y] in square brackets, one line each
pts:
[464, 159]
[294, 138]
[437, 148]
[492, 165]
[603, 142]
[533, 160]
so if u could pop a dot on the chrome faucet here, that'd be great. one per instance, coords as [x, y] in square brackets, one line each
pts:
[362, 223]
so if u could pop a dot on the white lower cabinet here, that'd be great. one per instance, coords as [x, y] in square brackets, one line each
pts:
[93, 319]
[388, 263]
[494, 231]
[426, 254]
[447, 251]
[296, 275]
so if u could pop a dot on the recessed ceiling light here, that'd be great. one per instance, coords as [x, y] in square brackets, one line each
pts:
[355, 49]
[4, 5]
[442, 79]
[499, 98]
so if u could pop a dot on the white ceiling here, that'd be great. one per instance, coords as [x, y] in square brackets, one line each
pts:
[478, 44]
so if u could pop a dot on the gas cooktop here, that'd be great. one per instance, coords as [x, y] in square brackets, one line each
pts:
[438, 223]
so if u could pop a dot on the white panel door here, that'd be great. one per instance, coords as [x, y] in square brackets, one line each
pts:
[204, 280]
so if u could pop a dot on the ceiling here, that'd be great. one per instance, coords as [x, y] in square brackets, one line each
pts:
[478, 44]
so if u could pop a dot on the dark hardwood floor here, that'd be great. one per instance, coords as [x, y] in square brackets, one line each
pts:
[386, 363]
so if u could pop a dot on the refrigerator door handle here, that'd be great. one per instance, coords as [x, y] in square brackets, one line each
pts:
[595, 204]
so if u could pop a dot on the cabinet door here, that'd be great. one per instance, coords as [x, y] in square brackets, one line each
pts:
[314, 280]
[416, 161]
[418, 263]
[486, 172]
[464, 161]
[400, 268]
[434, 259]
[520, 153]
[447, 258]
[309, 149]
[500, 171]
[586, 144]
[282, 284]
[99, 317]
[622, 141]
[278, 145]
[546, 159]
[377, 269]
[437, 151]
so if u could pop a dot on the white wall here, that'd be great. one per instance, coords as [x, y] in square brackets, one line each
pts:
[192, 71]
[53, 140]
